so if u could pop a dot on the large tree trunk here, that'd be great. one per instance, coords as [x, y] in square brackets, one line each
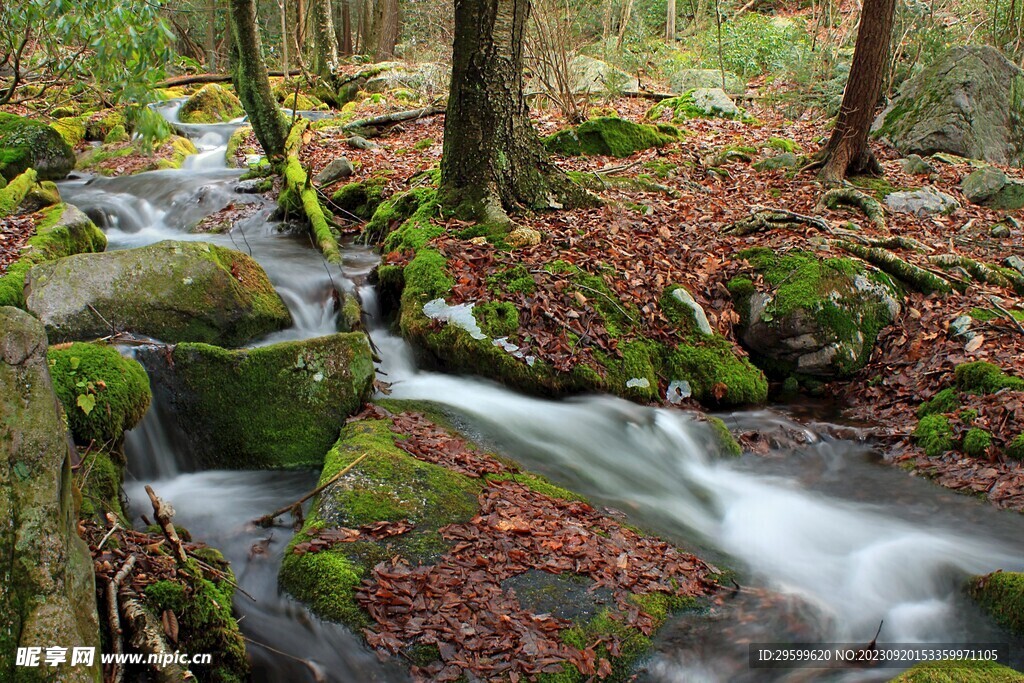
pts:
[325, 43]
[847, 151]
[251, 81]
[383, 30]
[492, 159]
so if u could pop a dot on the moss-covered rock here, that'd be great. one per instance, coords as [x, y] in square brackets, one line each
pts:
[47, 591]
[71, 128]
[272, 406]
[361, 198]
[98, 480]
[14, 192]
[63, 230]
[128, 157]
[810, 315]
[946, 401]
[99, 124]
[103, 393]
[212, 103]
[173, 291]
[976, 442]
[26, 143]
[934, 434]
[697, 103]
[205, 624]
[610, 136]
[959, 671]
[1002, 595]
[981, 377]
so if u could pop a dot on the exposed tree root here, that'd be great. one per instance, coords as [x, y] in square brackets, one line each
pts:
[919, 278]
[850, 197]
[982, 272]
[771, 219]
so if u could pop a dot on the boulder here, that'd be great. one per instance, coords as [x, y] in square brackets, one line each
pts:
[610, 136]
[926, 201]
[173, 291]
[47, 588]
[273, 406]
[334, 171]
[698, 103]
[689, 79]
[428, 77]
[813, 316]
[968, 102]
[594, 76]
[211, 104]
[991, 187]
[26, 143]
[915, 165]
[786, 160]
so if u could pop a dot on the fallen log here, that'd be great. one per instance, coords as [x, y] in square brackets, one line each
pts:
[297, 182]
[164, 517]
[394, 117]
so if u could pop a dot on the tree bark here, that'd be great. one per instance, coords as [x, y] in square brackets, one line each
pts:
[383, 30]
[343, 27]
[670, 22]
[847, 151]
[252, 84]
[325, 43]
[211, 37]
[492, 160]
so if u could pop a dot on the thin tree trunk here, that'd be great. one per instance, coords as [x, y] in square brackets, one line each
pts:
[847, 151]
[383, 32]
[492, 160]
[283, 6]
[342, 27]
[627, 14]
[252, 84]
[211, 36]
[670, 22]
[325, 43]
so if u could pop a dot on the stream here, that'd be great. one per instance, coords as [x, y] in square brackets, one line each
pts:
[827, 541]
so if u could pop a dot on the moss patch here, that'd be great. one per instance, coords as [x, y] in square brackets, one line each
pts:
[1002, 595]
[959, 671]
[211, 104]
[610, 136]
[946, 401]
[934, 434]
[980, 377]
[99, 479]
[361, 198]
[103, 393]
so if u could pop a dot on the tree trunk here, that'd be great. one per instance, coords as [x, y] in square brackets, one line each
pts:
[847, 151]
[325, 43]
[383, 30]
[492, 159]
[211, 37]
[252, 84]
[283, 7]
[670, 22]
[343, 27]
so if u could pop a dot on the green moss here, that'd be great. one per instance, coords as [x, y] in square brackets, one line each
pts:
[712, 362]
[609, 136]
[727, 444]
[297, 185]
[270, 406]
[946, 401]
[211, 104]
[99, 124]
[976, 442]
[361, 199]
[784, 144]
[102, 392]
[71, 128]
[497, 318]
[99, 479]
[1002, 595]
[301, 102]
[26, 143]
[405, 221]
[1015, 449]
[678, 313]
[205, 624]
[59, 233]
[934, 435]
[326, 581]
[236, 142]
[980, 377]
[15, 191]
[512, 280]
[683, 108]
[959, 671]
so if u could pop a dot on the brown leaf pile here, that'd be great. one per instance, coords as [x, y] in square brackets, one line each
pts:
[325, 539]
[15, 231]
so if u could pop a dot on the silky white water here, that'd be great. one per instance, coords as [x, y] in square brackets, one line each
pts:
[849, 542]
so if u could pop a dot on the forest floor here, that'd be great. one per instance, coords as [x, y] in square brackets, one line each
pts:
[651, 238]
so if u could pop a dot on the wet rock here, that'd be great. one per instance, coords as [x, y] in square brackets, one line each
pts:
[27, 143]
[689, 79]
[991, 187]
[272, 406]
[334, 171]
[815, 316]
[926, 201]
[915, 165]
[47, 591]
[211, 104]
[173, 291]
[965, 103]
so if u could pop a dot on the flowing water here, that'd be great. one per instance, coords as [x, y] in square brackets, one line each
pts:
[828, 542]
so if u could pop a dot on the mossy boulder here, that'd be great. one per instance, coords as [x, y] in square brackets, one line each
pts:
[63, 230]
[47, 588]
[71, 128]
[26, 143]
[280, 405]
[1001, 595]
[98, 481]
[99, 124]
[685, 80]
[697, 103]
[968, 102]
[991, 187]
[360, 198]
[103, 393]
[173, 291]
[211, 104]
[14, 193]
[610, 136]
[811, 316]
[959, 671]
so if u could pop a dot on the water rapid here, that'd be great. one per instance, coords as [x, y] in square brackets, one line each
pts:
[828, 542]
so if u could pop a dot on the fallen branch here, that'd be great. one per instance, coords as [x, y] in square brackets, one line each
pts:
[394, 117]
[114, 616]
[1006, 314]
[297, 181]
[268, 520]
[982, 272]
[147, 636]
[164, 514]
[921, 279]
[765, 218]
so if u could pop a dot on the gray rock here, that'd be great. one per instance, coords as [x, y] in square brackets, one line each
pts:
[715, 102]
[961, 327]
[779, 161]
[966, 103]
[1015, 262]
[47, 587]
[700, 318]
[173, 291]
[27, 143]
[926, 201]
[991, 187]
[594, 76]
[249, 186]
[915, 165]
[334, 171]
[1000, 230]
[688, 79]
[426, 77]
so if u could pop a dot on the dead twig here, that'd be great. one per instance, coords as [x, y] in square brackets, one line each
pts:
[268, 520]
